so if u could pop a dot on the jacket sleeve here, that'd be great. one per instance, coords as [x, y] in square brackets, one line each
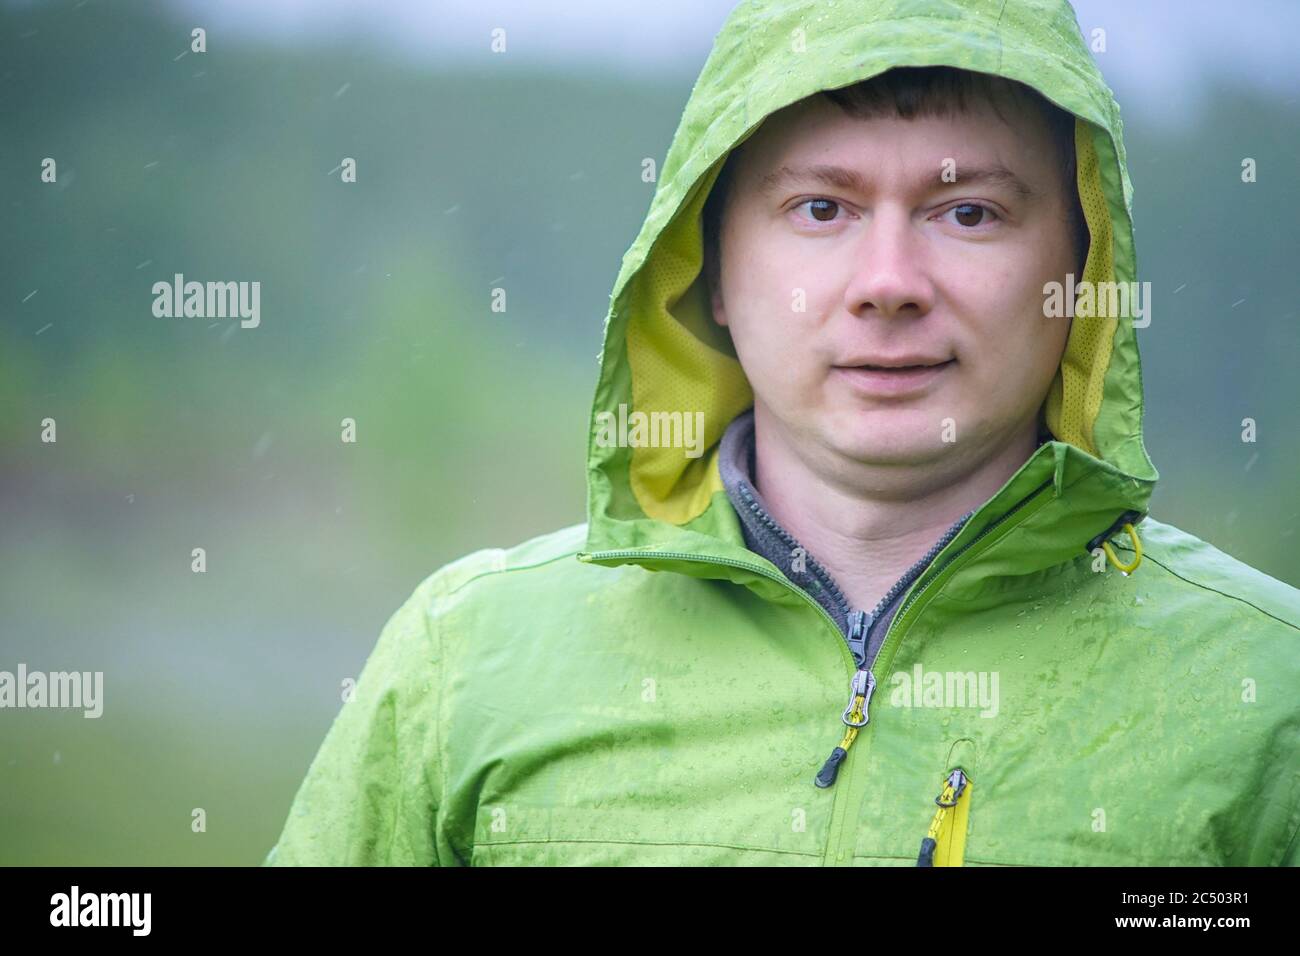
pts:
[371, 795]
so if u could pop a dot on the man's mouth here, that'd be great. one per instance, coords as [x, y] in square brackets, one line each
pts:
[907, 363]
[886, 378]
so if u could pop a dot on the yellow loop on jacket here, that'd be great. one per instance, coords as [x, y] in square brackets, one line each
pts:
[1137, 551]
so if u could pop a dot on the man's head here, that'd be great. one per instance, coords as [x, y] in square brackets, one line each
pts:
[911, 219]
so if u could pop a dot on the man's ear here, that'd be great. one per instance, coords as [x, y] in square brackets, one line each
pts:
[711, 222]
[715, 297]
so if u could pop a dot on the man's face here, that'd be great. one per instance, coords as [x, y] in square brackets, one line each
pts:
[845, 255]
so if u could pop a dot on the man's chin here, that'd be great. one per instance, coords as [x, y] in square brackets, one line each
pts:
[889, 455]
[893, 437]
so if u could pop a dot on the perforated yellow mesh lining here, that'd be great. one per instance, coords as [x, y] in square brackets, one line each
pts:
[674, 368]
[1075, 396]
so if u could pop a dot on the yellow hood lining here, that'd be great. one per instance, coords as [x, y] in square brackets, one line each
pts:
[1074, 399]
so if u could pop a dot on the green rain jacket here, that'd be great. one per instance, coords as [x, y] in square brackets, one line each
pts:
[644, 689]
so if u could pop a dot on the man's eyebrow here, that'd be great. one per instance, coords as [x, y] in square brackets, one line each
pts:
[840, 177]
[997, 175]
[837, 177]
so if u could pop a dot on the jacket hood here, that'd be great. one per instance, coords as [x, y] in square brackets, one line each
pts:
[666, 507]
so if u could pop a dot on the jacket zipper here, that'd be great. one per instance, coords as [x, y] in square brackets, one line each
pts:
[863, 682]
[860, 625]
[861, 686]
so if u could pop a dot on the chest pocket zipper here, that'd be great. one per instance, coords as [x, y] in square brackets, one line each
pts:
[944, 843]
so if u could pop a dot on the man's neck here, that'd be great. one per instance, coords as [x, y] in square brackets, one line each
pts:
[868, 530]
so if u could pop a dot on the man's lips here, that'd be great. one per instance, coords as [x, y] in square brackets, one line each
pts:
[900, 362]
[892, 377]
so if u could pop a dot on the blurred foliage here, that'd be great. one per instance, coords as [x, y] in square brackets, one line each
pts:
[183, 433]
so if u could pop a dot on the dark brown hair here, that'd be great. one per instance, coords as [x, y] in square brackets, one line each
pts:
[910, 92]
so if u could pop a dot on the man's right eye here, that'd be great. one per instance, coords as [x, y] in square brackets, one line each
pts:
[821, 210]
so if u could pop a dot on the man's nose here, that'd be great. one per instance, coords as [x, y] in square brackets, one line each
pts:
[889, 269]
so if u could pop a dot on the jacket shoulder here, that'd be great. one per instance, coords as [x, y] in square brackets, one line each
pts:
[456, 576]
[1200, 565]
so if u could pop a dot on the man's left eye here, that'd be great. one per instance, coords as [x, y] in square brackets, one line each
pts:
[971, 214]
[820, 210]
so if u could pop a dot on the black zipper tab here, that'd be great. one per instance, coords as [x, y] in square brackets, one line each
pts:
[831, 768]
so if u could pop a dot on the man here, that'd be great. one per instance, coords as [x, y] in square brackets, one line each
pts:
[908, 569]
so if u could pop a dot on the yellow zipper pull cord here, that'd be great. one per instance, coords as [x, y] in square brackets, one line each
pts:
[855, 717]
[951, 793]
[1137, 551]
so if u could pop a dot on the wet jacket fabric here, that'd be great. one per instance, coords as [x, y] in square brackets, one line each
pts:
[647, 688]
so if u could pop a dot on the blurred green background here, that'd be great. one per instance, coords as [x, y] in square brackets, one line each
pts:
[474, 171]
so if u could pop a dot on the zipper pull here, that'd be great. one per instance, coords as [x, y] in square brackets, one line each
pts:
[859, 623]
[855, 716]
[952, 790]
[861, 688]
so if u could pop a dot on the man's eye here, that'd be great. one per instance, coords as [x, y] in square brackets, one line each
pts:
[822, 210]
[971, 214]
